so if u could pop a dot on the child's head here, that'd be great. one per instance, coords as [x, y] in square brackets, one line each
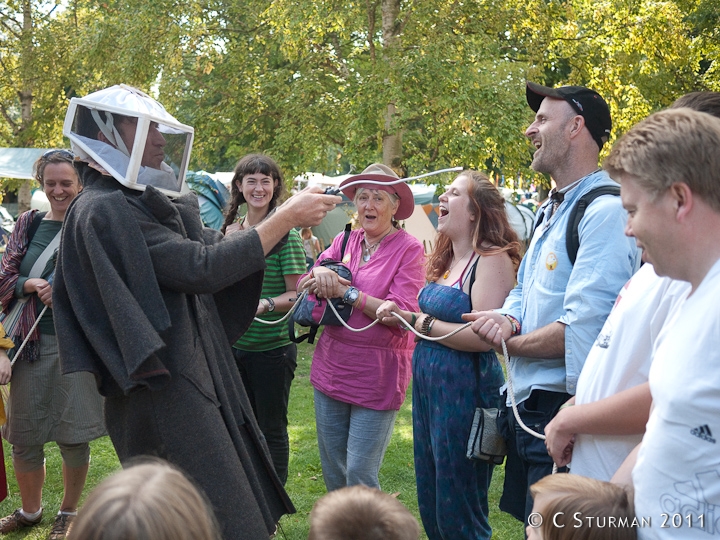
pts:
[148, 501]
[579, 508]
[361, 513]
[306, 233]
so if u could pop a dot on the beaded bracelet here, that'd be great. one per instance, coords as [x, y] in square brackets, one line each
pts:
[430, 326]
[426, 325]
[514, 323]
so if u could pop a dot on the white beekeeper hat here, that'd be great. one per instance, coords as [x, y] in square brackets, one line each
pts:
[93, 125]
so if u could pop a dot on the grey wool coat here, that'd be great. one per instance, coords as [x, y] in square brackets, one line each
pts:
[149, 301]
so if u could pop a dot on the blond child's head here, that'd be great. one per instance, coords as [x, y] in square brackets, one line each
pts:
[361, 513]
[568, 506]
[148, 501]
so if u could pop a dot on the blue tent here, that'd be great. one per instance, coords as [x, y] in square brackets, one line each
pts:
[213, 197]
[18, 162]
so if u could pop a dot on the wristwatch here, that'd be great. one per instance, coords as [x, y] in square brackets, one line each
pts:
[268, 303]
[350, 296]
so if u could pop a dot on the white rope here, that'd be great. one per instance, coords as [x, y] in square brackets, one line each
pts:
[506, 356]
[511, 393]
[278, 321]
[27, 338]
[332, 306]
[505, 359]
[428, 338]
[398, 181]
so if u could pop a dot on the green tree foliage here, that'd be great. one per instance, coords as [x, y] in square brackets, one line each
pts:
[322, 84]
[36, 47]
[297, 78]
[639, 55]
[35, 51]
[127, 41]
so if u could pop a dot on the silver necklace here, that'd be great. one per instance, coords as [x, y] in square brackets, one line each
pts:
[369, 249]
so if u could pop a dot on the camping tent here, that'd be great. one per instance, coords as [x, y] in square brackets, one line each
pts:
[18, 162]
[422, 223]
[212, 197]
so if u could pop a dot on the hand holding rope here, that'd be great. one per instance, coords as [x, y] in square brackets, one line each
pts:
[505, 359]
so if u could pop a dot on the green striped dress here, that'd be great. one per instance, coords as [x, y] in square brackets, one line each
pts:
[289, 260]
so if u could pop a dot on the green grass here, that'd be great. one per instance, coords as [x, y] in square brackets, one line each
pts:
[305, 483]
[103, 462]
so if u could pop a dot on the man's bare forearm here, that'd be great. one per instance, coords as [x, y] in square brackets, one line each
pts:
[545, 342]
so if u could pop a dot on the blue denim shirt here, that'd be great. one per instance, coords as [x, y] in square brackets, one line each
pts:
[550, 289]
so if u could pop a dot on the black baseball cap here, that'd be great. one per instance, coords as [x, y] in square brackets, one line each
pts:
[587, 103]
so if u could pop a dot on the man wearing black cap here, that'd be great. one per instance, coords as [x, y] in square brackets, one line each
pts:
[552, 317]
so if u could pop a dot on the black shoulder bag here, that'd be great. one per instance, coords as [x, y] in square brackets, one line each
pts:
[313, 311]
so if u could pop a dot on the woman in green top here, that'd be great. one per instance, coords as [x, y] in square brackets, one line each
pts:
[265, 355]
[44, 404]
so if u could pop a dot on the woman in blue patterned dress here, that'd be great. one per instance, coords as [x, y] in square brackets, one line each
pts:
[473, 267]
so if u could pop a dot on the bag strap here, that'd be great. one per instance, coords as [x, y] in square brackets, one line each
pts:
[41, 262]
[348, 230]
[32, 229]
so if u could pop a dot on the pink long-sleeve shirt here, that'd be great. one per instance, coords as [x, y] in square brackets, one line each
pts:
[372, 368]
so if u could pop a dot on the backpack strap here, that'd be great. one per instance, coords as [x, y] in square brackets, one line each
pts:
[538, 222]
[572, 236]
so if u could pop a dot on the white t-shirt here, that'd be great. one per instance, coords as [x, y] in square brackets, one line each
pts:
[677, 475]
[620, 359]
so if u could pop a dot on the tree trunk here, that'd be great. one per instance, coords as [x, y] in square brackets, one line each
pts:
[392, 141]
[392, 135]
[26, 98]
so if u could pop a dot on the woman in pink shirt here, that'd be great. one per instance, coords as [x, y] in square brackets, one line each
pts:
[360, 378]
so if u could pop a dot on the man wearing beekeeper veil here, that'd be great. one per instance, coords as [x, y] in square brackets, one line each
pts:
[149, 300]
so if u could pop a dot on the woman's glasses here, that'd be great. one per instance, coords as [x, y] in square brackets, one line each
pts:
[61, 153]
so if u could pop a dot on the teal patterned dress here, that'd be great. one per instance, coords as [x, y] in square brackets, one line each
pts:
[452, 490]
